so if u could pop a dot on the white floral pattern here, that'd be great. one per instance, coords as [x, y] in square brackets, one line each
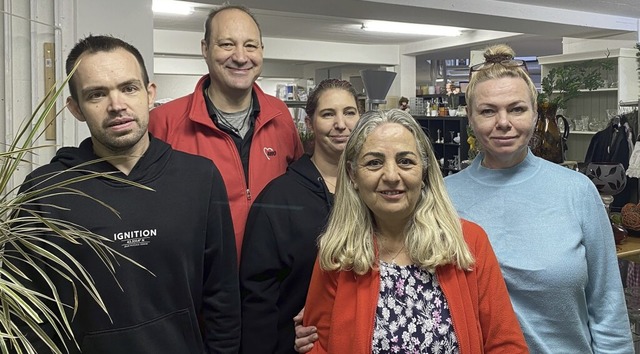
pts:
[412, 314]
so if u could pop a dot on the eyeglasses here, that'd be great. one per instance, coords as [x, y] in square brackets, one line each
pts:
[509, 63]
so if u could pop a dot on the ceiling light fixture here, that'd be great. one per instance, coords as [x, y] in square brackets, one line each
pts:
[172, 7]
[411, 28]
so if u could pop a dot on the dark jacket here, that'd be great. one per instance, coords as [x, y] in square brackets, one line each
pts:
[278, 254]
[612, 145]
[181, 232]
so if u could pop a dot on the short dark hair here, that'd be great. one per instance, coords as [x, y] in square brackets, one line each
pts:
[94, 44]
[214, 12]
[324, 85]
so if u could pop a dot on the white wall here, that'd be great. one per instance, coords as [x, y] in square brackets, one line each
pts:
[177, 53]
[182, 43]
[132, 21]
[174, 86]
[27, 25]
[129, 20]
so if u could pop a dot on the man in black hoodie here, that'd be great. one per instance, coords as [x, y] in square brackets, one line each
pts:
[180, 231]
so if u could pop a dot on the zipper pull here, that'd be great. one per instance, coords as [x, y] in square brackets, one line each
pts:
[248, 194]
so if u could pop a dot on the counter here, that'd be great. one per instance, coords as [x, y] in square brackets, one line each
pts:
[629, 249]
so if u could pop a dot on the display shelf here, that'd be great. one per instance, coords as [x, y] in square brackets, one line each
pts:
[602, 89]
[295, 104]
[595, 103]
[582, 132]
[446, 150]
[438, 95]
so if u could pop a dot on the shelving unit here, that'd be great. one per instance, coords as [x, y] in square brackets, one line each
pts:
[295, 104]
[448, 149]
[622, 87]
[461, 97]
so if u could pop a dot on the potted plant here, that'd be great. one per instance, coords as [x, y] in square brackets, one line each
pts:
[25, 250]
[563, 83]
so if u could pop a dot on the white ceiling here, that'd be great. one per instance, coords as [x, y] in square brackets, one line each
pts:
[624, 8]
[541, 26]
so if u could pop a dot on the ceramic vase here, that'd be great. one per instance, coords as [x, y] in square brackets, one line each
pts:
[547, 140]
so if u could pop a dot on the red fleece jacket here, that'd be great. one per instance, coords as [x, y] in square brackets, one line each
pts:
[185, 124]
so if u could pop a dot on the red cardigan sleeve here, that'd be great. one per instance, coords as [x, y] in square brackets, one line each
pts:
[501, 331]
[319, 305]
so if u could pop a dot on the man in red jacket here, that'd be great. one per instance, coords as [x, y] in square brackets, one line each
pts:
[248, 134]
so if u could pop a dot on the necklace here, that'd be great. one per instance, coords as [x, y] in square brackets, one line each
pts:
[329, 183]
[324, 178]
[393, 259]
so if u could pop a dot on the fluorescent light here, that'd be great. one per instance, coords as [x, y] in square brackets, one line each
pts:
[411, 28]
[172, 7]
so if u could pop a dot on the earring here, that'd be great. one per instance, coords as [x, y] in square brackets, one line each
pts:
[355, 186]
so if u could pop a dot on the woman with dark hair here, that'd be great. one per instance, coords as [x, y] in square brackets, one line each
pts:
[279, 246]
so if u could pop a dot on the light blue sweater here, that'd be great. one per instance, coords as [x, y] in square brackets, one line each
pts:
[555, 246]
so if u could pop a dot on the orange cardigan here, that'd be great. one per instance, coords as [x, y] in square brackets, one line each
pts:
[342, 305]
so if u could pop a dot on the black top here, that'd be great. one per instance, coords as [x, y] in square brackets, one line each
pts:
[181, 231]
[242, 144]
[278, 253]
[611, 144]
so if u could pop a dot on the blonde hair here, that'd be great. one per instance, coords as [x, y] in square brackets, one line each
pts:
[494, 54]
[433, 235]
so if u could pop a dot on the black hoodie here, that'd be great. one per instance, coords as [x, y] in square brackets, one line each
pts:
[278, 253]
[181, 232]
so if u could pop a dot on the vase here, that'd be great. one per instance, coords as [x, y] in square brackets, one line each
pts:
[547, 141]
[609, 178]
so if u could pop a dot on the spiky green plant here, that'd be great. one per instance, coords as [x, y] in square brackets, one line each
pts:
[25, 254]
[563, 83]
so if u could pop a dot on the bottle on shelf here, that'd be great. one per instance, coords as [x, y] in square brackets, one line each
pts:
[427, 109]
[434, 108]
[441, 109]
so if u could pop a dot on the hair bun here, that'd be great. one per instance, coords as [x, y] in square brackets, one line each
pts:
[497, 58]
[498, 53]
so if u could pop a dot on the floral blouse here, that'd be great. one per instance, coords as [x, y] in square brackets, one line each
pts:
[412, 314]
